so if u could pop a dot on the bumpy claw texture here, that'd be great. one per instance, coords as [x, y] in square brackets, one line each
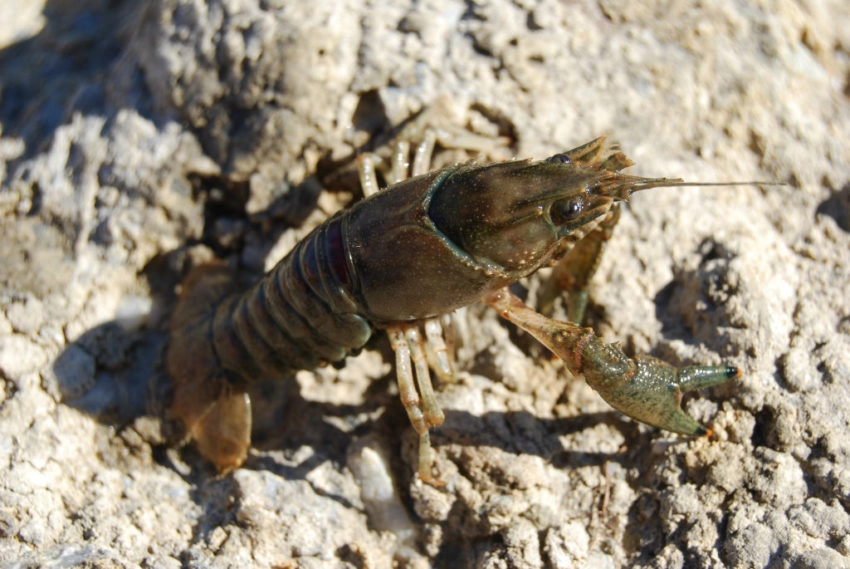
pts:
[644, 388]
[652, 391]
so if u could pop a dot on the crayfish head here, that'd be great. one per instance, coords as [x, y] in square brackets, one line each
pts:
[518, 214]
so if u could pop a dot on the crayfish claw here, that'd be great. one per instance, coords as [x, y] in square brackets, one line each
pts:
[653, 393]
[644, 388]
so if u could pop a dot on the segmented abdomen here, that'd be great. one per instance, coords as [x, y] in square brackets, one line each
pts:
[300, 315]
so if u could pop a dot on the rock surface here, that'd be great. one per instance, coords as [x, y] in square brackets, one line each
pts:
[137, 138]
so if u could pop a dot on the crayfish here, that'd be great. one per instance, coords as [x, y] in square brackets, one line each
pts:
[402, 259]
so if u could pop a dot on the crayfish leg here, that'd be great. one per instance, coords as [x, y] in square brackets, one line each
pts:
[644, 388]
[417, 395]
[572, 273]
[439, 346]
[426, 458]
[368, 176]
[404, 376]
[424, 153]
[400, 167]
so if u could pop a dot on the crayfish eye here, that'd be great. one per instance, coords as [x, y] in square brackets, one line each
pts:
[559, 159]
[564, 211]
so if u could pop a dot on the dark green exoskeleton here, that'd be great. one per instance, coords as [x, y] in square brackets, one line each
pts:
[404, 257]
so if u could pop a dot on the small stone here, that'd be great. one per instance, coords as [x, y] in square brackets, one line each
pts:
[19, 354]
[26, 316]
[799, 371]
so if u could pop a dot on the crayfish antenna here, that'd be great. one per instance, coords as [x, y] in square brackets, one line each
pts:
[640, 184]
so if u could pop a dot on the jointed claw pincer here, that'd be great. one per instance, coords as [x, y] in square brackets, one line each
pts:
[644, 388]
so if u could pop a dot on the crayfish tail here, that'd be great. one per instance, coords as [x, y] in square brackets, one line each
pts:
[217, 417]
[215, 413]
[223, 435]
